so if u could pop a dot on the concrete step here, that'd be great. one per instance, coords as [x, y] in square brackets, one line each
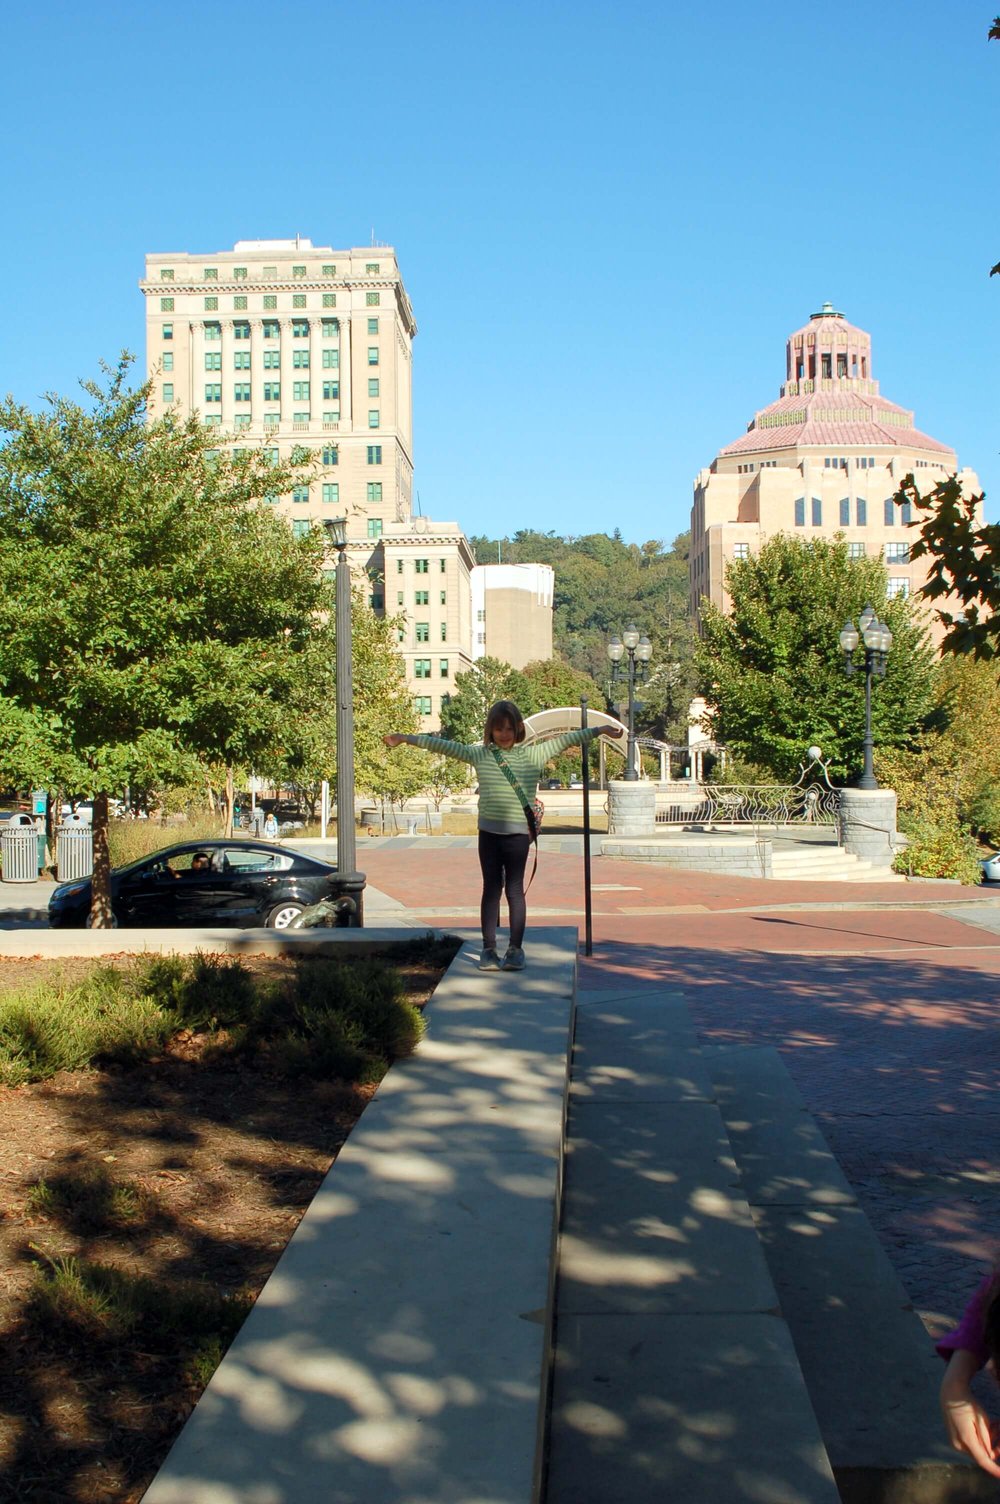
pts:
[868, 1362]
[819, 864]
[675, 1375]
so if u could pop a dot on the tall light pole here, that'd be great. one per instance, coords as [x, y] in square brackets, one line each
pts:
[639, 650]
[336, 531]
[877, 641]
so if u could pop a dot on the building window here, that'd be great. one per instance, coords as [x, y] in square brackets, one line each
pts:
[166, 274]
[421, 566]
[168, 391]
[855, 550]
[271, 328]
[211, 305]
[800, 511]
[422, 631]
[301, 527]
[374, 490]
[399, 566]
[861, 512]
[241, 420]
[241, 391]
[272, 391]
[239, 273]
[374, 527]
[241, 329]
[817, 512]
[422, 668]
[298, 300]
[300, 328]
[213, 360]
[889, 512]
[270, 273]
[300, 494]
[329, 271]
[897, 585]
[373, 299]
[271, 456]
[211, 274]
[331, 455]
[331, 328]
[213, 420]
[444, 565]
[213, 391]
[399, 597]
[374, 454]
[212, 331]
[298, 271]
[443, 667]
[444, 597]
[331, 391]
[845, 511]
[168, 331]
[444, 631]
[166, 305]
[331, 360]
[897, 553]
[373, 326]
[331, 493]
[329, 300]
[168, 360]
[272, 420]
[373, 417]
[373, 355]
[300, 391]
[422, 704]
[741, 550]
[300, 359]
[272, 360]
[270, 300]
[906, 513]
[373, 386]
[241, 360]
[372, 268]
[240, 301]
[421, 597]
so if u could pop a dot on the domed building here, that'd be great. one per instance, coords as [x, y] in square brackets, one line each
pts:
[825, 458]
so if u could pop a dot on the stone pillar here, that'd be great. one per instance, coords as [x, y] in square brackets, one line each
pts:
[631, 808]
[867, 824]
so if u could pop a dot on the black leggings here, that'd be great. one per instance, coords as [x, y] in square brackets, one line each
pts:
[503, 860]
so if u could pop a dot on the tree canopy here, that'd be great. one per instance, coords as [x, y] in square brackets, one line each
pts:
[964, 556]
[772, 667]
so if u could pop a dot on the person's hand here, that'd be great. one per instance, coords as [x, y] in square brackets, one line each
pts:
[613, 731]
[392, 739]
[969, 1428]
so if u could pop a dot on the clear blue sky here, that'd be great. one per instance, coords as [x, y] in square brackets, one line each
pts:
[608, 217]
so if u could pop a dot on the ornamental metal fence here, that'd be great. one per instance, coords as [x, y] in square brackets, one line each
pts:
[811, 800]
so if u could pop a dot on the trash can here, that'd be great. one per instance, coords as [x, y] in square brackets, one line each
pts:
[74, 852]
[19, 850]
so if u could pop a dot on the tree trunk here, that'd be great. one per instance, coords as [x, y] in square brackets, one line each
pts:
[230, 801]
[100, 887]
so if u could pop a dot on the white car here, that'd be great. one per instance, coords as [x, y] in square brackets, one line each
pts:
[991, 868]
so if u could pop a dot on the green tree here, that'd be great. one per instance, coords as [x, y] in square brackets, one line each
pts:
[965, 562]
[772, 668]
[488, 680]
[153, 608]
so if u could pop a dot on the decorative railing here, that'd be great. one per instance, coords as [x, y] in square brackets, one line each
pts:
[812, 800]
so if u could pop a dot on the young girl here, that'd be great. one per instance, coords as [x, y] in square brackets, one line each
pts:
[974, 1343]
[504, 833]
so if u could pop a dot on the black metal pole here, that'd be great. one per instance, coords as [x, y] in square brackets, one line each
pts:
[588, 944]
[346, 850]
[630, 774]
[868, 779]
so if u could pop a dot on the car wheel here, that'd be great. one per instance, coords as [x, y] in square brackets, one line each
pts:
[88, 923]
[282, 915]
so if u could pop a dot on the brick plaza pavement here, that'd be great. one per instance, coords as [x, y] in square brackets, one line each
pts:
[883, 1000]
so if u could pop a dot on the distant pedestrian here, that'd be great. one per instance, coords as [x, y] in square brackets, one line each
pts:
[271, 827]
[508, 782]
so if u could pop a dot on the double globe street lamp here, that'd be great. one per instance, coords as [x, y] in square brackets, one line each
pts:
[639, 651]
[877, 641]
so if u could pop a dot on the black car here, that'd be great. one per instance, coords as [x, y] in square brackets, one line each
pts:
[237, 882]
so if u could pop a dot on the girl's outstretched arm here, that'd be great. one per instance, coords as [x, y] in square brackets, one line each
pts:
[968, 1426]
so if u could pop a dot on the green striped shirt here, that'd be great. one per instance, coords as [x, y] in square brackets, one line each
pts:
[500, 810]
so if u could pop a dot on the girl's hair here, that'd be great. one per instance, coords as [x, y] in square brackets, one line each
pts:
[504, 713]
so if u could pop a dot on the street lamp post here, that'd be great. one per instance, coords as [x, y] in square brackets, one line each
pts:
[877, 641]
[336, 529]
[639, 651]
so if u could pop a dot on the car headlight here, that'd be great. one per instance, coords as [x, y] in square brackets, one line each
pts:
[69, 890]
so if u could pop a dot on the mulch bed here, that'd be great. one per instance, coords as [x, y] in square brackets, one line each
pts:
[224, 1162]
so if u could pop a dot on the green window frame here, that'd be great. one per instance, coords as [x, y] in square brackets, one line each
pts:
[167, 331]
[329, 271]
[240, 302]
[241, 360]
[168, 360]
[422, 704]
[212, 330]
[270, 300]
[421, 668]
[301, 527]
[373, 355]
[444, 597]
[330, 328]
[239, 273]
[331, 360]
[443, 667]
[422, 631]
[444, 565]
[166, 274]
[421, 566]
[331, 391]
[373, 299]
[444, 631]
[300, 391]
[331, 454]
[373, 386]
[166, 305]
[373, 326]
[300, 328]
[300, 358]
[372, 268]
[300, 495]
[329, 300]
[272, 391]
[211, 305]
[213, 391]
[298, 271]
[168, 391]
[374, 490]
[241, 420]
[272, 360]
[421, 597]
[373, 417]
[210, 274]
[374, 527]
[241, 391]
[213, 360]
[241, 329]
[270, 328]
[374, 454]
[331, 493]
[298, 300]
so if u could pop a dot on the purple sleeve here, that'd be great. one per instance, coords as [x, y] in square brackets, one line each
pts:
[969, 1335]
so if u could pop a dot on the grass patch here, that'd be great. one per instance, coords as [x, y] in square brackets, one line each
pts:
[79, 1301]
[327, 1018]
[89, 1200]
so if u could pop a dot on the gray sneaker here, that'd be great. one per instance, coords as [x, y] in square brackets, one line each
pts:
[514, 959]
[489, 961]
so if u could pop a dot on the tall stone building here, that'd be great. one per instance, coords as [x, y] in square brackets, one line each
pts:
[825, 458]
[512, 612]
[291, 344]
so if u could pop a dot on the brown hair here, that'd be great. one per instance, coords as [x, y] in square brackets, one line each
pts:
[504, 713]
